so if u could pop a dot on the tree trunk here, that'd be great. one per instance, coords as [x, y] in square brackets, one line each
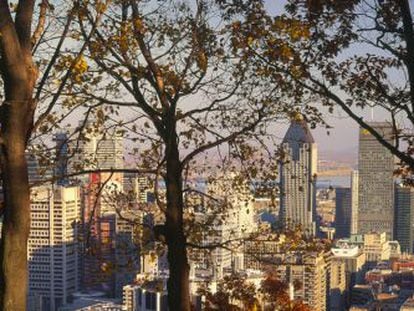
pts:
[178, 282]
[16, 222]
[16, 116]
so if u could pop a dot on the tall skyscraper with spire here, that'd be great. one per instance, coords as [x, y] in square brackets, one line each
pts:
[298, 177]
[376, 184]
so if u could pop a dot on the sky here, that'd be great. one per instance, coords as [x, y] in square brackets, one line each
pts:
[342, 140]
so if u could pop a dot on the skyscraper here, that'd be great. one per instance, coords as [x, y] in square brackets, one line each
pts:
[61, 154]
[343, 212]
[53, 246]
[354, 201]
[126, 250]
[346, 208]
[298, 177]
[97, 149]
[376, 185]
[404, 217]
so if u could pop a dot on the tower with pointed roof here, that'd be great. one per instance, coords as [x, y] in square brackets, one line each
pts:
[298, 177]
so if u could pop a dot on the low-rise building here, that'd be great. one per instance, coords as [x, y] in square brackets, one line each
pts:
[376, 246]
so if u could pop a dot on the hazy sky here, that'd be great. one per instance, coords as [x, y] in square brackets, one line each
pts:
[343, 137]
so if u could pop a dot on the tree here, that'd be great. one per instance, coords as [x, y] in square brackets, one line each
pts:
[236, 292]
[26, 55]
[276, 295]
[350, 55]
[168, 70]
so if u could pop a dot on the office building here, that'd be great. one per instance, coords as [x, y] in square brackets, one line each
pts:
[343, 212]
[53, 246]
[404, 217]
[126, 250]
[39, 170]
[96, 149]
[376, 185]
[298, 177]
[354, 201]
[61, 159]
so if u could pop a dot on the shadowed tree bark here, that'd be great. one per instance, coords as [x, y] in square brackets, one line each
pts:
[19, 74]
[21, 91]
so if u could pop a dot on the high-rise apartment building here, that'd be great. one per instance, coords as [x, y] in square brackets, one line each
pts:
[298, 177]
[308, 272]
[337, 285]
[53, 246]
[376, 185]
[404, 217]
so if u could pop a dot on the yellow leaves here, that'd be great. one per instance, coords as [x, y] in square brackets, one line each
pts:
[365, 132]
[295, 29]
[202, 61]
[101, 7]
[81, 66]
[100, 115]
[286, 52]
[139, 25]
[250, 40]
[78, 66]
[123, 38]
[296, 71]
[300, 32]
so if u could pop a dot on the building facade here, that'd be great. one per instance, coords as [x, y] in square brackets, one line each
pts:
[298, 177]
[404, 217]
[343, 212]
[308, 272]
[96, 148]
[53, 246]
[354, 201]
[376, 185]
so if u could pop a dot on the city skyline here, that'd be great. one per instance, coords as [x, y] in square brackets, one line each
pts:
[207, 155]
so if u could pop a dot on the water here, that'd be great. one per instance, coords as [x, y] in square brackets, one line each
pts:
[333, 181]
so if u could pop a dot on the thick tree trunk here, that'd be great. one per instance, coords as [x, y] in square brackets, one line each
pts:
[16, 222]
[178, 282]
[16, 116]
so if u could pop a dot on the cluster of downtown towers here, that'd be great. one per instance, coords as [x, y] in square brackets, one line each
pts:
[375, 201]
